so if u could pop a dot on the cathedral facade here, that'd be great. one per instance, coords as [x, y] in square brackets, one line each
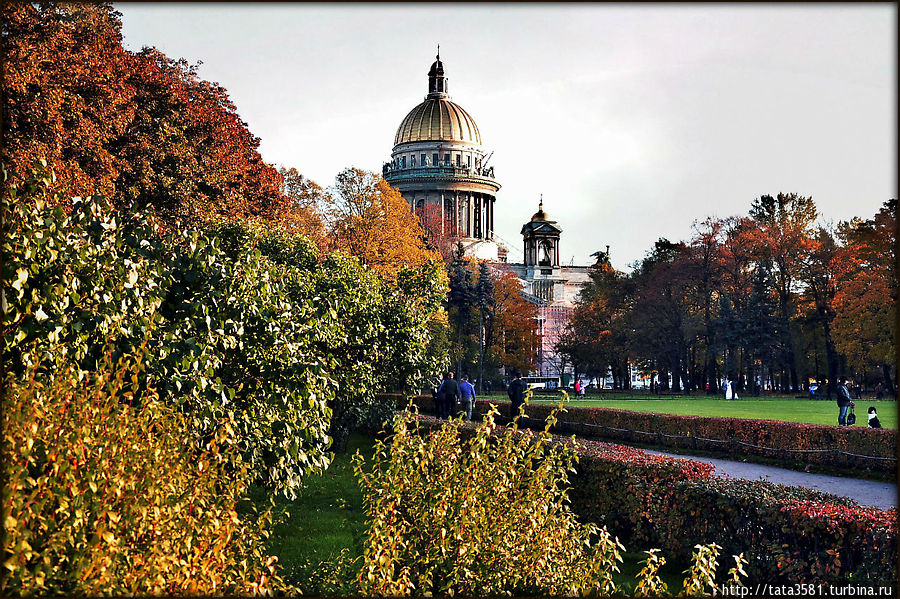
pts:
[438, 162]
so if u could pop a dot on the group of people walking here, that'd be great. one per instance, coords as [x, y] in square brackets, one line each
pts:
[454, 397]
[457, 398]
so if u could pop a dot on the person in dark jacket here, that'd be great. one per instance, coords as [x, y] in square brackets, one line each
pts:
[438, 395]
[843, 402]
[516, 394]
[450, 390]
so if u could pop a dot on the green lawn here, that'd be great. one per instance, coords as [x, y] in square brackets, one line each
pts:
[777, 408]
[328, 517]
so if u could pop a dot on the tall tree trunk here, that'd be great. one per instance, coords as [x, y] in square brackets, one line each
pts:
[888, 383]
[480, 352]
[459, 325]
[831, 356]
[676, 375]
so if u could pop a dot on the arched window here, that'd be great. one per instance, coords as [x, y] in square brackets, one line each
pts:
[546, 258]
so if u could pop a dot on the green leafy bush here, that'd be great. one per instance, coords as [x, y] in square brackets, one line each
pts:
[73, 282]
[224, 337]
[240, 321]
[102, 497]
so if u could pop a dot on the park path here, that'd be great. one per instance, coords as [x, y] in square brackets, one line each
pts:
[865, 492]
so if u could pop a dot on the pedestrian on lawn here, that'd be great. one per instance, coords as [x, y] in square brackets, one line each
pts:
[466, 397]
[843, 402]
[516, 393]
[451, 395]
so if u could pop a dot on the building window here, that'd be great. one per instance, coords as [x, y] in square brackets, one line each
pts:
[424, 160]
[469, 160]
[403, 162]
[434, 159]
[412, 160]
[447, 159]
[458, 160]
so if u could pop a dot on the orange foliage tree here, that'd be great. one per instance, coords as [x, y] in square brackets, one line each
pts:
[441, 232]
[784, 229]
[65, 99]
[511, 335]
[865, 321]
[140, 128]
[302, 211]
[369, 219]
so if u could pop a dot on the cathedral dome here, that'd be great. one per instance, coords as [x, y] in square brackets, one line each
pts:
[438, 119]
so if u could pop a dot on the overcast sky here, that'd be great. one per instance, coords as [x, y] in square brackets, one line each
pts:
[632, 121]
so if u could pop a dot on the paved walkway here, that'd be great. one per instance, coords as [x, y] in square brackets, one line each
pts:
[864, 492]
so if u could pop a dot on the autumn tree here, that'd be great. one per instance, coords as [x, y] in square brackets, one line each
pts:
[302, 212]
[783, 232]
[511, 335]
[187, 152]
[597, 339]
[66, 98]
[865, 321]
[664, 322]
[441, 232]
[140, 128]
[819, 272]
[369, 219]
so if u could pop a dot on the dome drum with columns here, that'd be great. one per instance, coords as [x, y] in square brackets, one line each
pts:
[438, 160]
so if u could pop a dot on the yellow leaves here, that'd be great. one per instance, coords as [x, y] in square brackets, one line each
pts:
[373, 222]
[145, 542]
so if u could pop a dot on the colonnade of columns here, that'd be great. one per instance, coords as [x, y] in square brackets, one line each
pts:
[472, 213]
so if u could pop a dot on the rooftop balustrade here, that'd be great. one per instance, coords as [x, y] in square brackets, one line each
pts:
[392, 172]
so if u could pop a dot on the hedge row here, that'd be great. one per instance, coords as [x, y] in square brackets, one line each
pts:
[794, 444]
[790, 534]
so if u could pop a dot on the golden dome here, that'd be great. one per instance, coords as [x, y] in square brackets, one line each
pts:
[540, 214]
[438, 119]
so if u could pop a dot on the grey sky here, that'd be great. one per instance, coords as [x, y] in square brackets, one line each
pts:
[633, 121]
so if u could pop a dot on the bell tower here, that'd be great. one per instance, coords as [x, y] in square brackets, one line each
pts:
[541, 237]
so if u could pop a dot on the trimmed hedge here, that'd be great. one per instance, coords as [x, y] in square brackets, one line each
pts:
[790, 534]
[725, 435]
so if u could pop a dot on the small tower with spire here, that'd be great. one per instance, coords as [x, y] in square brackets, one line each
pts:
[437, 83]
[541, 237]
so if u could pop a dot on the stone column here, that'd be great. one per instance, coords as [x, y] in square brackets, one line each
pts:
[491, 210]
